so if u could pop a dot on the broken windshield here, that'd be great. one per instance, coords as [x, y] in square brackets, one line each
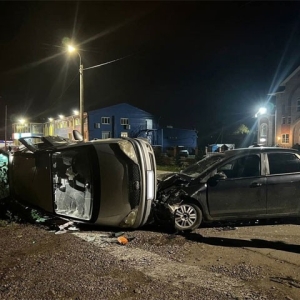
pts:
[203, 164]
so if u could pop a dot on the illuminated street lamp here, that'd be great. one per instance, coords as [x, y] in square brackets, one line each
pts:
[261, 111]
[72, 49]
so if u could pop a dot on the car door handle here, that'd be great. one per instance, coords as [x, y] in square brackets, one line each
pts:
[255, 184]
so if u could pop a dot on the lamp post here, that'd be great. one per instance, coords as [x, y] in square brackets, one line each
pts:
[81, 90]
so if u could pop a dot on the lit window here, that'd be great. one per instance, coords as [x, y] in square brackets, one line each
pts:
[285, 138]
[105, 120]
[263, 130]
[96, 125]
[124, 121]
[77, 121]
[124, 134]
[105, 134]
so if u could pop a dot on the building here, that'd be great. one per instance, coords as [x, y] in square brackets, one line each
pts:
[170, 137]
[64, 126]
[280, 124]
[120, 120]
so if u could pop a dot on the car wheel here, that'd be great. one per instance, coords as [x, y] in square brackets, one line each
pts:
[188, 216]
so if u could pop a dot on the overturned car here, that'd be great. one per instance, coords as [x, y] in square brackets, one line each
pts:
[109, 182]
[250, 183]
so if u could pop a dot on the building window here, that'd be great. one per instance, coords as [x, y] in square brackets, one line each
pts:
[124, 134]
[283, 120]
[289, 119]
[298, 105]
[124, 121]
[96, 125]
[285, 138]
[106, 134]
[263, 130]
[77, 121]
[105, 120]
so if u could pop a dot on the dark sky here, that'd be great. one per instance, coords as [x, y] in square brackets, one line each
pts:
[195, 64]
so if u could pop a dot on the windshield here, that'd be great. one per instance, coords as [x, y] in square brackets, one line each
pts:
[200, 166]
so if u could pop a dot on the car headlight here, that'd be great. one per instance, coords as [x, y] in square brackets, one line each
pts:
[128, 149]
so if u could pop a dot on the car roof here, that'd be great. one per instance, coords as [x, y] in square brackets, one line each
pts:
[258, 150]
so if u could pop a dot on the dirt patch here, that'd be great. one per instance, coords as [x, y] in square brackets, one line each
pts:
[249, 262]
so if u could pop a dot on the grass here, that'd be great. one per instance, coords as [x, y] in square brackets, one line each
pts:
[168, 168]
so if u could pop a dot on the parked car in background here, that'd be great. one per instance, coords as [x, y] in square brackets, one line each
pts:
[180, 151]
[249, 183]
[109, 182]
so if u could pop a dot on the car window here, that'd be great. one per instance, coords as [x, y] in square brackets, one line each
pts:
[73, 185]
[246, 166]
[280, 163]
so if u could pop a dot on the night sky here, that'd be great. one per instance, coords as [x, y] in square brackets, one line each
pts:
[203, 65]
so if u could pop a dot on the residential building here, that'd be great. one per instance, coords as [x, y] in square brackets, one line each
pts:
[120, 120]
[280, 125]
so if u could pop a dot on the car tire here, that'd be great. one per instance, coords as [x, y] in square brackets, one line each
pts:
[187, 217]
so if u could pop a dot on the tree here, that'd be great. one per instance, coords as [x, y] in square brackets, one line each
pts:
[241, 130]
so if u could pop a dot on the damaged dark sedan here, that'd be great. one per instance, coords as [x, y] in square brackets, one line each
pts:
[249, 183]
[109, 182]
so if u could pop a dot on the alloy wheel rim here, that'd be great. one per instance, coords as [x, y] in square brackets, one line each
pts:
[185, 216]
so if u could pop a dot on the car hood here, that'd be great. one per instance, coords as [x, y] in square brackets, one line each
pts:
[171, 179]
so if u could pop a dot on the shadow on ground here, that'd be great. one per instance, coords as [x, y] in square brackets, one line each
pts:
[240, 243]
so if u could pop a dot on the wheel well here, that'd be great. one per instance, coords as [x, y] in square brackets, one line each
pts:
[194, 201]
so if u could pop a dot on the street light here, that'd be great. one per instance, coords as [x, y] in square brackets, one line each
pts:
[261, 111]
[72, 49]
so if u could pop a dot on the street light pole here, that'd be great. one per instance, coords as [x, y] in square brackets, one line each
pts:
[81, 100]
[81, 90]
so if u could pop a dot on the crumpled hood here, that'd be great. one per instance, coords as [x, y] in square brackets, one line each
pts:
[172, 179]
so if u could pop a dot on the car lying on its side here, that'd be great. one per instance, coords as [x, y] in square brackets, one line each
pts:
[249, 183]
[109, 182]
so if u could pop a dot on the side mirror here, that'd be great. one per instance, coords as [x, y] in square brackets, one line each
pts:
[213, 181]
[77, 135]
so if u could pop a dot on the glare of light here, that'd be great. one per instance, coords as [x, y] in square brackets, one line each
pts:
[22, 121]
[262, 140]
[76, 112]
[61, 116]
[71, 48]
[262, 110]
[50, 119]
[278, 138]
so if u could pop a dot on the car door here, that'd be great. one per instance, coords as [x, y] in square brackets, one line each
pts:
[283, 183]
[242, 192]
[30, 179]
